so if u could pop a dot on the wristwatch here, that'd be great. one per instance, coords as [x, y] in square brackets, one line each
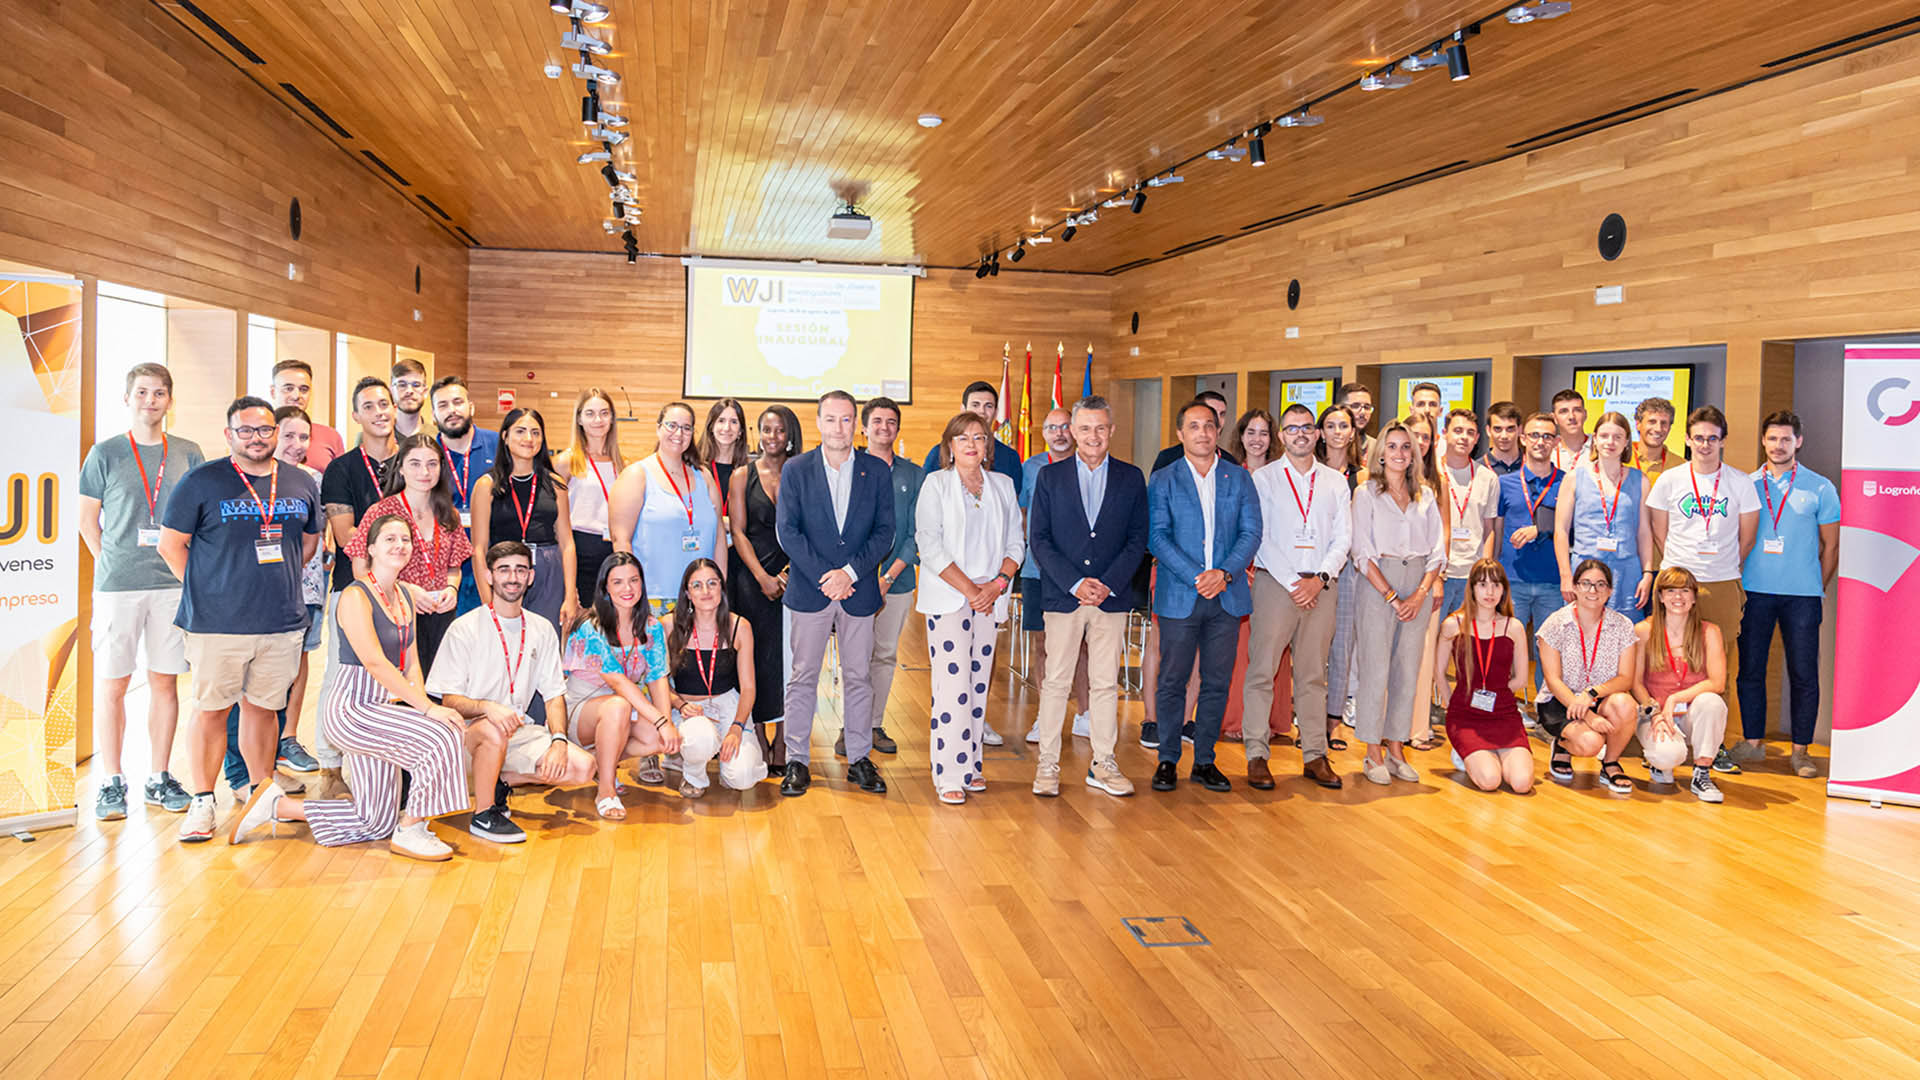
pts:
[1326, 578]
[1594, 693]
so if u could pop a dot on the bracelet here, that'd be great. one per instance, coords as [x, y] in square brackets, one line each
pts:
[660, 724]
[559, 736]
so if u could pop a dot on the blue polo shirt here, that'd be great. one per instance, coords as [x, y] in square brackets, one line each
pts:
[1809, 502]
[1534, 564]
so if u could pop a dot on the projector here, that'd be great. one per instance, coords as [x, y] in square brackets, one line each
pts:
[849, 224]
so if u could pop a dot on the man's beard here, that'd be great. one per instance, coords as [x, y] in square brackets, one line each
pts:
[455, 425]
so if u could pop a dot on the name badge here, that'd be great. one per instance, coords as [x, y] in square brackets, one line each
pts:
[1776, 546]
[1707, 551]
[1461, 532]
[147, 537]
[466, 519]
[1483, 700]
[1680, 708]
[690, 542]
[1608, 543]
[268, 551]
[1303, 539]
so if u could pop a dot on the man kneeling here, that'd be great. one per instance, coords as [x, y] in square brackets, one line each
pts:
[492, 661]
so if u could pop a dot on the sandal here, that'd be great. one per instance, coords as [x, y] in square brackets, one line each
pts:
[688, 791]
[1334, 742]
[977, 784]
[611, 808]
[1559, 762]
[1426, 742]
[953, 798]
[649, 770]
[1615, 778]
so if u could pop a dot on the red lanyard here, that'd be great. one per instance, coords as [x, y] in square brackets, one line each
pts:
[687, 498]
[595, 466]
[1460, 505]
[1474, 632]
[160, 475]
[1313, 480]
[1678, 667]
[1766, 487]
[1617, 488]
[371, 475]
[1586, 661]
[433, 559]
[403, 623]
[706, 670]
[461, 473]
[513, 662]
[1533, 505]
[273, 493]
[1706, 509]
[525, 513]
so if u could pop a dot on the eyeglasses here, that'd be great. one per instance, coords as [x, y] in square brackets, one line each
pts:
[515, 570]
[1359, 406]
[1538, 436]
[1704, 440]
[1298, 429]
[1055, 427]
[255, 432]
[1591, 585]
[677, 428]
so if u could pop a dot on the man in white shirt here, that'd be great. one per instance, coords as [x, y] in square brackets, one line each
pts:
[409, 385]
[1705, 518]
[491, 663]
[1304, 508]
[1472, 493]
[1570, 423]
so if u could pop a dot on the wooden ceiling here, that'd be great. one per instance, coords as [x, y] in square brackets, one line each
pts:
[746, 118]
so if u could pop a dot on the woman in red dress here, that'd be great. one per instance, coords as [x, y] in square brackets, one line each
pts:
[1482, 640]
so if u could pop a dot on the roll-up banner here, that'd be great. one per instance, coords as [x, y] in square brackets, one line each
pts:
[1876, 696]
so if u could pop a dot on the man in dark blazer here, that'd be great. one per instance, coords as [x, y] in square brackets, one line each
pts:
[835, 522]
[1204, 527]
[1089, 524]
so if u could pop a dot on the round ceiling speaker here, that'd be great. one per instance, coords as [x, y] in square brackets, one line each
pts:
[1613, 237]
[1293, 294]
[1136, 322]
[293, 217]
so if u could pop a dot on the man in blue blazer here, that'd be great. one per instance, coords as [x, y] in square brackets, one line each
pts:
[835, 522]
[1204, 527]
[1089, 524]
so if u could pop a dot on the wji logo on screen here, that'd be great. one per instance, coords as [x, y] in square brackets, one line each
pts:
[745, 290]
[1880, 414]
[20, 519]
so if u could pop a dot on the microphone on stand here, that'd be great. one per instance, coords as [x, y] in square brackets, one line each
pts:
[630, 416]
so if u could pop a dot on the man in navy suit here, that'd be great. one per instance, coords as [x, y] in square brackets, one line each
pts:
[1089, 524]
[835, 522]
[1204, 527]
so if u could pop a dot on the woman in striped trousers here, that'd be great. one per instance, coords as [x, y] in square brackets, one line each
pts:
[379, 662]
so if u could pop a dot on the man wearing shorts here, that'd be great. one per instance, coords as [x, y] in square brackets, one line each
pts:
[236, 534]
[491, 663]
[125, 484]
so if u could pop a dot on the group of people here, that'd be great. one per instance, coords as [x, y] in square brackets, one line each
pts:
[502, 615]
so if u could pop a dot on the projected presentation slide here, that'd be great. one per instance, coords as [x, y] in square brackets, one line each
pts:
[1622, 389]
[1456, 391]
[769, 332]
[1315, 394]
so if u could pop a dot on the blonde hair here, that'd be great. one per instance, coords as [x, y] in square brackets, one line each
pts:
[1619, 421]
[576, 454]
[1416, 469]
[1694, 638]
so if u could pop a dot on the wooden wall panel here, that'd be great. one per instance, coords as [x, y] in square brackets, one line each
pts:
[132, 152]
[1782, 210]
[549, 324]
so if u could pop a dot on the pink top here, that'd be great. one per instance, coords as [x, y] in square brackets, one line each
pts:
[324, 447]
[1663, 683]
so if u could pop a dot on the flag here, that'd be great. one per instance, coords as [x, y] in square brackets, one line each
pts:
[1086, 384]
[1025, 429]
[1003, 429]
[1059, 356]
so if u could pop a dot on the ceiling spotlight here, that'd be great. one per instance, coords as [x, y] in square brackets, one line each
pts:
[1114, 203]
[1139, 200]
[1257, 150]
[1018, 251]
[1388, 79]
[1457, 69]
[623, 176]
[1043, 238]
[993, 267]
[592, 156]
[1066, 234]
[1163, 181]
[1303, 118]
[597, 74]
[1089, 217]
[981, 270]
[1423, 61]
[623, 194]
[1229, 152]
[553, 71]
[928, 120]
[619, 208]
[583, 42]
[584, 10]
[611, 227]
[1538, 11]
[611, 174]
[612, 120]
[614, 137]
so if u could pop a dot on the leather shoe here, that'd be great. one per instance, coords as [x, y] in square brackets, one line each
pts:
[797, 780]
[1164, 776]
[1320, 772]
[1210, 777]
[863, 773]
[1259, 776]
[884, 743]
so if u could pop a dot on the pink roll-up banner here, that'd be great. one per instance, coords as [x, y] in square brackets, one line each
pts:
[1876, 694]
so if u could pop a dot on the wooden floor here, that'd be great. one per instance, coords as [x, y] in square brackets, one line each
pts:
[1370, 932]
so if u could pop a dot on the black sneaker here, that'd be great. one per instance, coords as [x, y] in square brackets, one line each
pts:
[884, 742]
[500, 793]
[1704, 788]
[1723, 762]
[1150, 735]
[293, 757]
[111, 803]
[1186, 733]
[493, 824]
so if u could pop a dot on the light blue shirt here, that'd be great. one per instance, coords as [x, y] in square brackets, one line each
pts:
[1795, 569]
[1093, 486]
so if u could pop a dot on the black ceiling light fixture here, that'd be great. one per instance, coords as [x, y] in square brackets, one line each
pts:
[1139, 199]
[1019, 251]
[1457, 68]
[993, 267]
[1257, 145]
[1066, 234]
[981, 270]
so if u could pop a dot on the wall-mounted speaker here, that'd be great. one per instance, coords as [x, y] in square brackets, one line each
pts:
[293, 217]
[1293, 294]
[416, 277]
[1613, 237]
[1136, 322]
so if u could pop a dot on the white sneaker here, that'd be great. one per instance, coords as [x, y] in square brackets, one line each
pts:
[1458, 765]
[1082, 726]
[416, 841]
[1660, 776]
[258, 810]
[991, 737]
[1033, 734]
[197, 828]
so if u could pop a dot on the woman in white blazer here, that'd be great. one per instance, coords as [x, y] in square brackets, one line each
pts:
[967, 525]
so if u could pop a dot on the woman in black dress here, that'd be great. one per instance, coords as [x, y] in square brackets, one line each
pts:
[760, 567]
